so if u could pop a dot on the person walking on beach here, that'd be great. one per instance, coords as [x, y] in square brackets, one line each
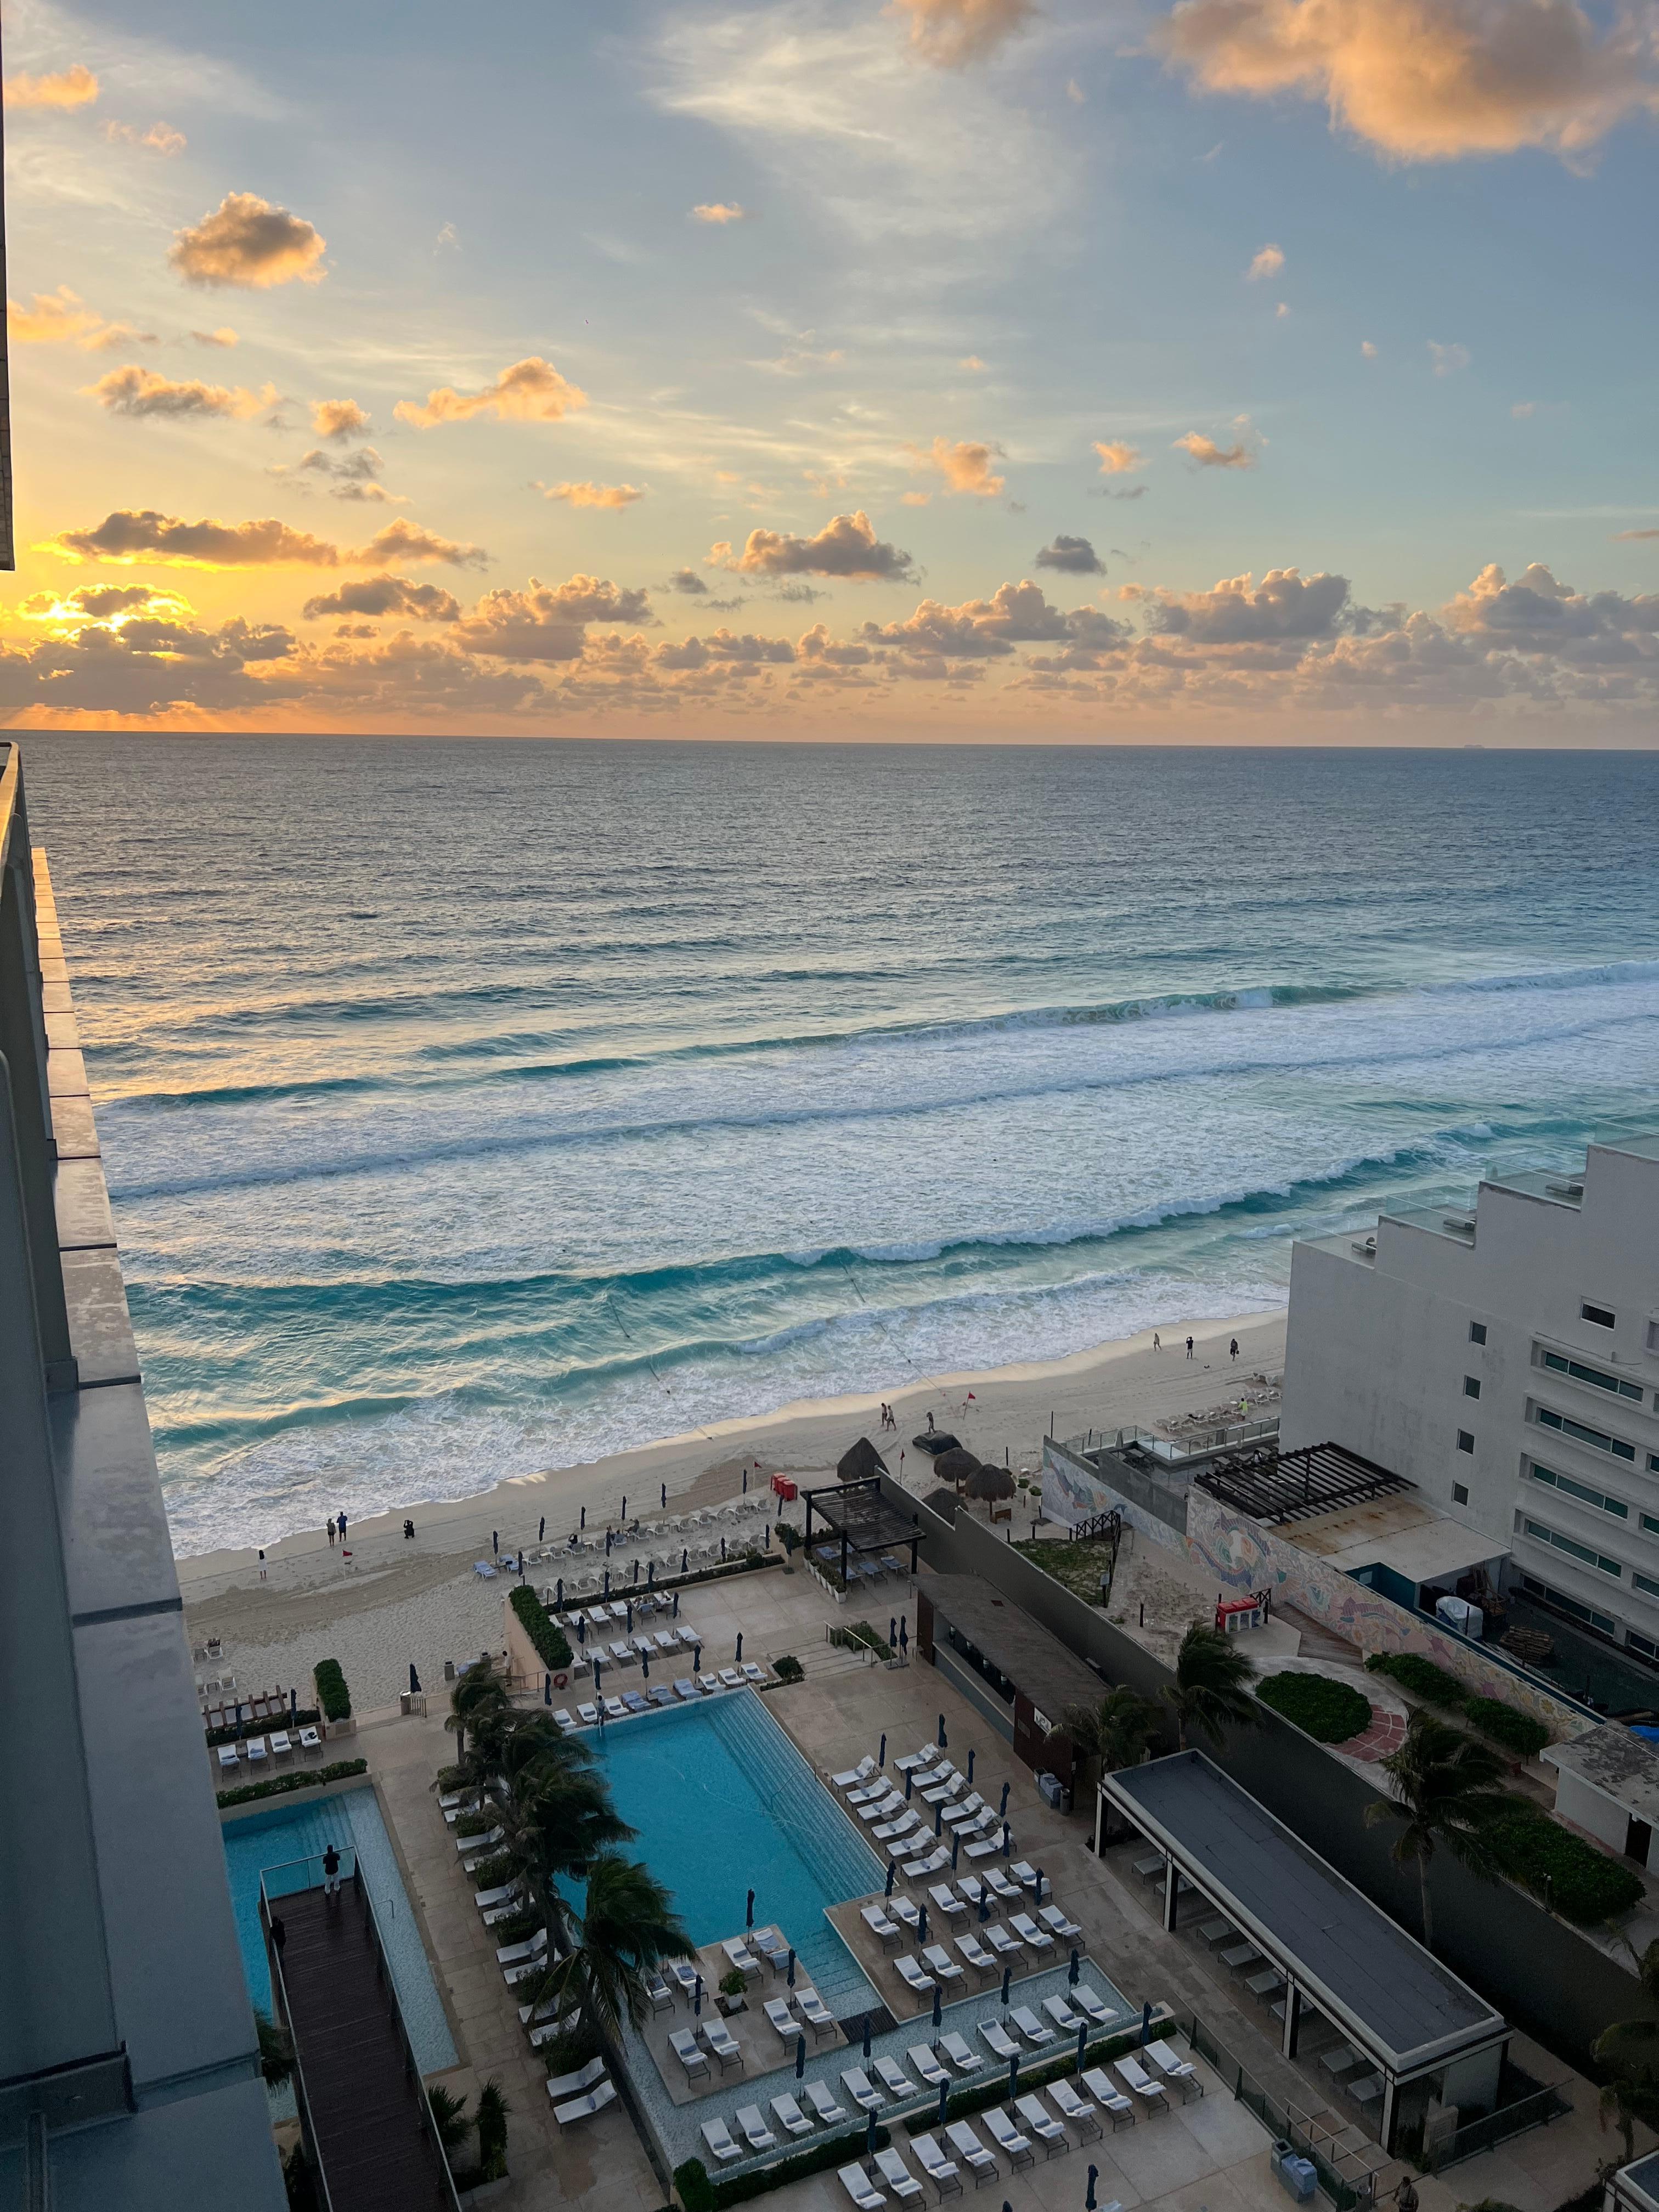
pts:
[541, 1530]
[1157, 1342]
[1189, 1347]
[496, 1542]
[330, 1872]
[1233, 1348]
[331, 1532]
[342, 1519]
[262, 1566]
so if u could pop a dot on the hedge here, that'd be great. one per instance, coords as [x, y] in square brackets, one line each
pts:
[332, 1694]
[1329, 1711]
[280, 1784]
[1516, 1731]
[1584, 1885]
[1421, 1677]
[552, 1645]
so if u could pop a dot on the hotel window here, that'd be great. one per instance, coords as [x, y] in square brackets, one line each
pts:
[1465, 1441]
[1646, 1584]
[1460, 1494]
[1643, 1645]
[1581, 1490]
[1477, 1332]
[1600, 1315]
[1471, 1386]
[1649, 1525]
[1602, 1381]
[1547, 1418]
[1574, 1550]
[1563, 1603]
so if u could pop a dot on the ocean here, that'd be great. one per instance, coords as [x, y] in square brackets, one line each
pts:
[474, 1108]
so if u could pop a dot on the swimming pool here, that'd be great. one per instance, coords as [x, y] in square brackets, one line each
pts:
[304, 1831]
[725, 1803]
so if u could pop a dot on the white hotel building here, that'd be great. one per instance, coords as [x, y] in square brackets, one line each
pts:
[1505, 1358]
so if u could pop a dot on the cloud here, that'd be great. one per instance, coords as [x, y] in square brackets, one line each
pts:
[1537, 614]
[965, 466]
[688, 581]
[1117, 459]
[1072, 556]
[978, 629]
[1208, 455]
[1074, 92]
[592, 494]
[1448, 359]
[246, 241]
[146, 665]
[974, 363]
[387, 595]
[62, 318]
[75, 86]
[447, 240]
[530, 391]
[143, 534]
[1239, 610]
[953, 32]
[846, 546]
[1268, 263]
[355, 477]
[1427, 80]
[548, 622]
[1368, 350]
[338, 418]
[719, 211]
[144, 394]
[160, 139]
[224, 336]
[1628, 537]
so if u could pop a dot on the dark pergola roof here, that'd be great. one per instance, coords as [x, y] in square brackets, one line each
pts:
[860, 1514]
[1049, 1672]
[1274, 1488]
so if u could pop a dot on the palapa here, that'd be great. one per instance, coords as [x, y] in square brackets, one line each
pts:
[956, 1465]
[990, 1482]
[860, 1461]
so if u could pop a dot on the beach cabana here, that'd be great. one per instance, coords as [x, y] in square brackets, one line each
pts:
[956, 1465]
[990, 1484]
[861, 1462]
[862, 1519]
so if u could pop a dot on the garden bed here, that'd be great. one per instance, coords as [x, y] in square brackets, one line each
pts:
[1330, 1712]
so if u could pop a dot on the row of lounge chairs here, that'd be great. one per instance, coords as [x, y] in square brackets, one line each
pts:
[578, 2096]
[253, 1749]
[684, 1689]
[219, 1708]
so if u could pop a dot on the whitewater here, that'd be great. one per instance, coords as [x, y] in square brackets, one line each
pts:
[475, 1109]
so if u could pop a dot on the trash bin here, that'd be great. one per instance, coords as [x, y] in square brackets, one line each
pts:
[1298, 2179]
[1281, 2150]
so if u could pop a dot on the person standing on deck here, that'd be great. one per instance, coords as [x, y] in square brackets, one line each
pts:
[330, 1872]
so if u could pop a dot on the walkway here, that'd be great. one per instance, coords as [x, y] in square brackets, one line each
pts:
[366, 2116]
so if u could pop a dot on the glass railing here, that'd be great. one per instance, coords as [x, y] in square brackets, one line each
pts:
[293, 1875]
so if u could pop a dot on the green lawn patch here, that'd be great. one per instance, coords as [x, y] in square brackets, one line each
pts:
[1331, 1712]
[1079, 1568]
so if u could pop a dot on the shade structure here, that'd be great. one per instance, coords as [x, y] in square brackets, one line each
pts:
[956, 1465]
[859, 1461]
[990, 1482]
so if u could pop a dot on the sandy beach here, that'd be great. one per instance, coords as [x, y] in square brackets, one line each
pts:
[397, 1601]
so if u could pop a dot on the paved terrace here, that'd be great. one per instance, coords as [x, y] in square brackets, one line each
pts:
[1209, 2154]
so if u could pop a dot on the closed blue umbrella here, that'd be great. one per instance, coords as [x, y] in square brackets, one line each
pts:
[1082, 2040]
[904, 1634]
[1002, 1809]
[644, 1665]
[623, 1516]
[750, 1910]
[665, 1494]
[1014, 2078]
[944, 2101]
[938, 2007]
[971, 1769]
[651, 1574]
[685, 1560]
[596, 1673]
[1007, 1982]
[697, 1998]
[909, 1782]
[630, 1616]
[1038, 1886]
[559, 1594]
[956, 1846]
[866, 2035]
[1147, 2022]
[881, 1756]
[607, 1581]
[870, 2135]
[1089, 2201]
[789, 1976]
[1076, 1966]
[921, 1927]
[1007, 1842]
[636, 1571]
[697, 1658]
[892, 1629]
[581, 1628]
[583, 1523]
[800, 2058]
[769, 1535]
[892, 1872]
[939, 1818]
[722, 1548]
[737, 1656]
[547, 1688]
[676, 1613]
[984, 1907]
[943, 1743]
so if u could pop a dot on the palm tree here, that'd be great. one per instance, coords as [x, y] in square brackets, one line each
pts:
[478, 1703]
[627, 1928]
[536, 1738]
[1629, 2052]
[1445, 1791]
[1112, 1733]
[1211, 1691]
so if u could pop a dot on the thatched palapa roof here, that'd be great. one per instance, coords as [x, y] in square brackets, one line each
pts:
[956, 1465]
[990, 1482]
[860, 1461]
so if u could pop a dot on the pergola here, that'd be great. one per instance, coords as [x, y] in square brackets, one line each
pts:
[1274, 1488]
[861, 1517]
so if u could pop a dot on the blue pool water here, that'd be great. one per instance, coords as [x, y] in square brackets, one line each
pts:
[351, 1821]
[723, 1802]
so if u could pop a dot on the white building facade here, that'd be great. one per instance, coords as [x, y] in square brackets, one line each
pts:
[1505, 1358]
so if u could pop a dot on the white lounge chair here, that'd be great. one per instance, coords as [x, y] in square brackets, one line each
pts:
[879, 1925]
[887, 1808]
[1110, 2098]
[919, 1869]
[623, 1654]
[943, 1966]
[1068, 1931]
[871, 1790]
[825, 2110]
[893, 2078]
[857, 2183]
[1141, 2082]
[1031, 2027]
[708, 1684]
[918, 1984]
[912, 1762]
[255, 1748]
[923, 2063]
[227, 1758]
[718, 2137]
[947, 1901]
[1002, 1888]
[751, 1672]
[1005, 1946]
[814, 2011]
[1028, 1932]
[1014, 2147]
[665, 1640]
[1000, 2044]
[281, 1745]
[1063, 2017]
[1043, 2125]
[684, 2044]
[742, 1958]
[615, 1710]
[1026, 1875]
[721, 2041]
[590, 1715]
[532, 1947]
[897, 2176]
[583, 2108]
[729, 1679]
[1075, 2110]
[574, 2084]
[565, 1719]
[976, 1954]
[473, 1846]
[1091, 2004]
[943, 2173]
[778, 2012]
[861, 2090]
[754, 2129]
[960, 2052]
[790, 2117]
[486, 1899]
[904, 1909]
[971, 2151]
[947, 1791]
[686, 1688]
[1173, 2068]
[903, 1824]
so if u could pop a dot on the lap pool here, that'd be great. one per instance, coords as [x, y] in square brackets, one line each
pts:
[725, 1803]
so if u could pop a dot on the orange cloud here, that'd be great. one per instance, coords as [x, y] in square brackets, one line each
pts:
[224, 336]
[338, 418]
[143, 534]
[720, 211]
[1427, 80]
[375, 596]
[1117, 459]
[953, 32]
[548, 622]
[592, 494]
[532, 390]
[1268, 263]
[62, 318]
[160, 139]
[75, 86]
[846, 546]
[141, 393]
[1208, 455]
[246, 241]
[965, 466]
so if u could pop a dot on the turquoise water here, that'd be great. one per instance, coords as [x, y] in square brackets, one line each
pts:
[724, 1803]
[305, 1831]
[477, 1109]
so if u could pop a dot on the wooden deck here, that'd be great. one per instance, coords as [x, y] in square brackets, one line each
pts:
[366, 2115]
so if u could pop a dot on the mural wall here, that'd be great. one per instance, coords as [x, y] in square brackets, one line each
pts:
[1073, 1490]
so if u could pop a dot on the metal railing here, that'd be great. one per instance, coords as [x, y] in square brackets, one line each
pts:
[1536, 2111]
[1285, 2121]
[448, 2197]
[274, 1954]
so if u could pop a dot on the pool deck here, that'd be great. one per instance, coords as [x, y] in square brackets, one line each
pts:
[1209, 2155]
[763, 2052]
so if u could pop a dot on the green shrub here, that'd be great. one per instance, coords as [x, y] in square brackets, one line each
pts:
[1421, 1677]
[1518, 1732]
[1331, 1712]
[788, 1535]
[493, 1872]
[452, 1777]
[474, 1824]
[332, 1694]
[699, 2193]
[1583, 1884]
[491, 2124]
[696, 2190]
[280, 1784]
[551, 1643]
[518, 1927]
[569, 2052]
[788, 1668]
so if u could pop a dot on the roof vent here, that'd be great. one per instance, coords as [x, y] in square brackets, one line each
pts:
[1564, 1189]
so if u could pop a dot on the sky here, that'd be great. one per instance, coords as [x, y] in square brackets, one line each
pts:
[1275, 371]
